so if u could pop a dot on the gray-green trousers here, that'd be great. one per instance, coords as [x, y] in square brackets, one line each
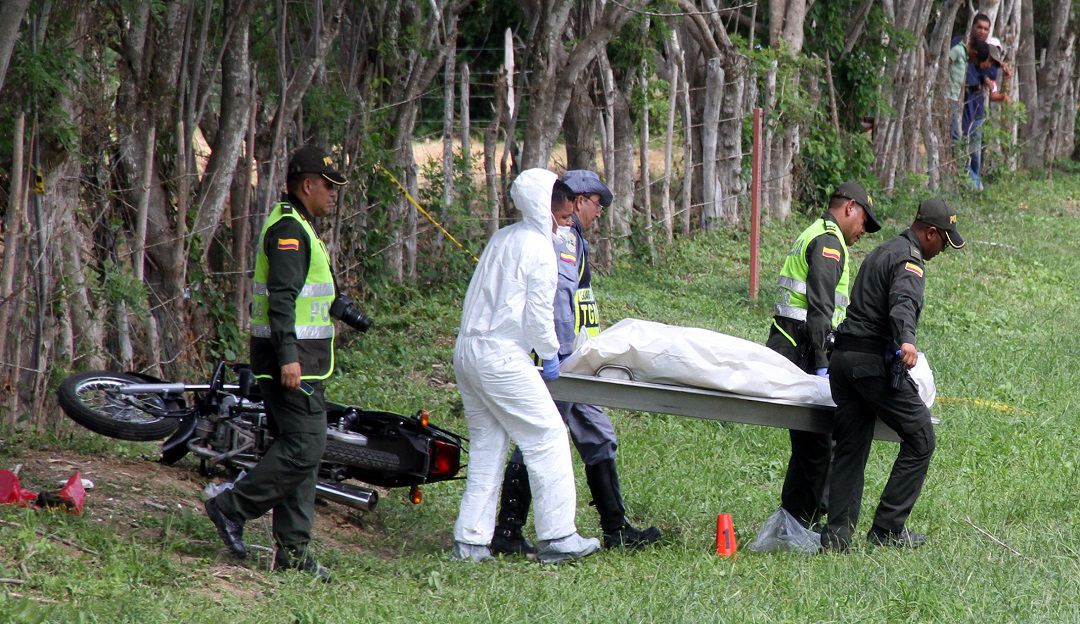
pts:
[284, 479]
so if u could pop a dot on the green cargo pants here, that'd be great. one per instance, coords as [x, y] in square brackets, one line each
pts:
[284, 479]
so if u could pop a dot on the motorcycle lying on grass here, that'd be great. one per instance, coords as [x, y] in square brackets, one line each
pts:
[224, 424]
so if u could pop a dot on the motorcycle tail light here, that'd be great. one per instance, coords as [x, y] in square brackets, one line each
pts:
[445, 459]
[424, 416]
[416, 496]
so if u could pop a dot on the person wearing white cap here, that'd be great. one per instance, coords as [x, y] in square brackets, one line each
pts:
[590, 428]
[508, 312]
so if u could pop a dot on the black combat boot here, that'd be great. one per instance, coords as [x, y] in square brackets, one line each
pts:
[603, 481]
[290, 559]
[513, 510]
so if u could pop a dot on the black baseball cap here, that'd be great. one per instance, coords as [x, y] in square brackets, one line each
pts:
[937, 213]
[855, 191]
[312, 159]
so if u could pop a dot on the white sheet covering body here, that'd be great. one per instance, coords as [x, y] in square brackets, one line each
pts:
[690, 356]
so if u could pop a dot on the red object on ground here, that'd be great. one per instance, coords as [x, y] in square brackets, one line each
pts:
[725, 536]
[12, 494]
[74, 491]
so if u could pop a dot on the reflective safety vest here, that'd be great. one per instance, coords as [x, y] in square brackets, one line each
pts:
[312, 310]
[792, 303]
[586, 314]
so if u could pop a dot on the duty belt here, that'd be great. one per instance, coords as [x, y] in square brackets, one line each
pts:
[862, 344]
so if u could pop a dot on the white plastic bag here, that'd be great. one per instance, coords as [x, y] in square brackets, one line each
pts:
[213, 489]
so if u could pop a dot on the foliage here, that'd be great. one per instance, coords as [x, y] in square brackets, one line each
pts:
[828, 159]
[859, 77]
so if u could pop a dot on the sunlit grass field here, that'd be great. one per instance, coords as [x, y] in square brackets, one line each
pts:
[1000, 504]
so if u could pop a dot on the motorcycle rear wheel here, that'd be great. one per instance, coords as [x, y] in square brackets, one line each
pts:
[92, 400]
[357, 456]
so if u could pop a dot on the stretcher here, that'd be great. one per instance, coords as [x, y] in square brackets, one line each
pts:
[700, 403]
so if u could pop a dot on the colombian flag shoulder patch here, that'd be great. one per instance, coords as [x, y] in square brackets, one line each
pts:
[832, 254]
[911, 267]
[565, 257]
[288, 244]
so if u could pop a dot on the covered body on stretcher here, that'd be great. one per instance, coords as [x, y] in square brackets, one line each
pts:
[647, 366]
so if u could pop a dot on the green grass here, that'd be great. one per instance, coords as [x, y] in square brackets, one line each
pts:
[998, 328]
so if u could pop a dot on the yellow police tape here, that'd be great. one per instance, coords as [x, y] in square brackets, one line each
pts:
[409, 197]
[997, 406]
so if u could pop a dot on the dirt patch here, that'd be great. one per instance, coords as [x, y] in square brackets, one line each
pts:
[149, 502]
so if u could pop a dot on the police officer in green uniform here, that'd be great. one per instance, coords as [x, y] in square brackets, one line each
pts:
[875, 347]
[814, 285]
[292, 352]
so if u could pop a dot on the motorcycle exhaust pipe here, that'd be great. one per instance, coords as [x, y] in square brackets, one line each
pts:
[361, 498]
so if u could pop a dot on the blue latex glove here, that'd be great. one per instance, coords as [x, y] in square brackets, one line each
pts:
[550, 370]
[822, 372]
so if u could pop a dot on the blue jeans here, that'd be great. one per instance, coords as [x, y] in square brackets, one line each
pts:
[974, 138]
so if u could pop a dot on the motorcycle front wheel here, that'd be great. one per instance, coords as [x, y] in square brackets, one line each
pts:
[93, 400]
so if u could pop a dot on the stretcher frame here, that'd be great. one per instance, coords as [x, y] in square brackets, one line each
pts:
[700, 403]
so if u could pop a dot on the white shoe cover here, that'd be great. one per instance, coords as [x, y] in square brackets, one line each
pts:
[473, 553]
[572, 546]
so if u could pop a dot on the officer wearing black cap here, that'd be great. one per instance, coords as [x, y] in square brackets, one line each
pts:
[875, 346]
[814, 283]
[292, 352]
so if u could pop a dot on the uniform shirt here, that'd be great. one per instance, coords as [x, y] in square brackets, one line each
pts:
[568, 253]
[287, 275]
[585, 280]
[888, 293]
[823, 274]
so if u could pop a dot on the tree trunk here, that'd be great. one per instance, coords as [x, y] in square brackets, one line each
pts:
[669, 145]
[12, 239]
[559, 61]
[711, 191]
[491, 137]
[1027, 78]
[11, 14]
[449, 71]
[622, 209]
[580, 128]
[646, 193]
[232, 126]
[466, 124]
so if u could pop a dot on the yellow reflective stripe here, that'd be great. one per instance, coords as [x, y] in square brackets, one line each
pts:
[786, 335]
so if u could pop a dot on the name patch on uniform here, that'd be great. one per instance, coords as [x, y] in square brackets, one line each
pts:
[829, 252]
[911, 267]
[288, 244]
[565, 257]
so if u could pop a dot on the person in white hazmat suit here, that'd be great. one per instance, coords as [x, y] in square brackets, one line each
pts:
[508, 312]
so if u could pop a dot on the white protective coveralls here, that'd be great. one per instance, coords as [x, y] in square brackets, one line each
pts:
[508, 312]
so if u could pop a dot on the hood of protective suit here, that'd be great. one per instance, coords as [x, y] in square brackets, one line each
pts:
[531, 193]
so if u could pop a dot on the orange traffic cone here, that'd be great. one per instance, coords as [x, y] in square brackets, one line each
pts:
[725, 536]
